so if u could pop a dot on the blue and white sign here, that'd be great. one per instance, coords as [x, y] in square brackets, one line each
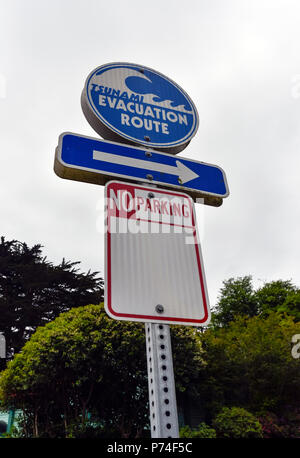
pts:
[88, 159]
[137, 105]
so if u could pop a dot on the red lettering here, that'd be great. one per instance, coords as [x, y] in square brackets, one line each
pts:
[163, 207]
[148, 205]
[183, 212]
[176, 209]
[156, 205]
[140, 202]
[122, 204]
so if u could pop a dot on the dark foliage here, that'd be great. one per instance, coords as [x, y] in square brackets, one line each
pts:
[33, 291]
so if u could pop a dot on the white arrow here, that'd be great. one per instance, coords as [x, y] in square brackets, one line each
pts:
[182, 171]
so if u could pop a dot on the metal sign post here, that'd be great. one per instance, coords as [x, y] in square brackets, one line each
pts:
[154, 286]
[153, 263]
[161, 382]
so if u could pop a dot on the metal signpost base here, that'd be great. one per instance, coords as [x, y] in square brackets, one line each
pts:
[161, 383]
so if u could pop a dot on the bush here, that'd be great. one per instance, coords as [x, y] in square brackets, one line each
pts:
[89, 430]
[203, 432]
[270, 426]
[285, 426]
[236, 423]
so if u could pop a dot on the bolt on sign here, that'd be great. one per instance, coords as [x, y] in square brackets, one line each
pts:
[154, 268]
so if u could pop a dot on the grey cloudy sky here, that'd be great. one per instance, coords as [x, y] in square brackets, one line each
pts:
[240, 63]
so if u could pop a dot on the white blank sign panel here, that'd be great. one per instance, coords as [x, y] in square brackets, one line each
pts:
[153, 263]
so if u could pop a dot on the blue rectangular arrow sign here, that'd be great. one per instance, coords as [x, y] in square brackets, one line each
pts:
[97, 161]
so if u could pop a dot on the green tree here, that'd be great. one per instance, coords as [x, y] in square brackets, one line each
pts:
[85, 363]
[237, 298]
[203, 431]
[291, 305]
[237, 423]
[279, 296]
[249, 364]
[33, 291]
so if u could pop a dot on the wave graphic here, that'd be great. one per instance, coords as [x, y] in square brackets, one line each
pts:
[161, 90]
[155, 90]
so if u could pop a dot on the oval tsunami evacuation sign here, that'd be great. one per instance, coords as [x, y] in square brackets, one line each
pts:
[137, 105]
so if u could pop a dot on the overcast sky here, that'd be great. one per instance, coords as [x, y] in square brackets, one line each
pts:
[238, 60]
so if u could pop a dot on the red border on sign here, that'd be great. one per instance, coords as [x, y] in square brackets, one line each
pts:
[121, 185]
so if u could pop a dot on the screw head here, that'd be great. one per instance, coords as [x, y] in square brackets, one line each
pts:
[149, 177]
[159, 308]
[148, 153]
[150, 195]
